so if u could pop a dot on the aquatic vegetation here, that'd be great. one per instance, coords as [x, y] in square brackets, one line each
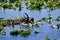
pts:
[6, 6]
[58, 18]
[2, 0]
[38, 23]
[18, 4]
[12, 4]
[38, 4]
[56, 26]
[8, 20]
[25, 33]
[23, 21]
[14, 32]
[2, 29]
[46, 38]
[20, 32]
[2, 32]
[48, 20]
[1, 23]
[36, 32]
[33, 5]
[12, 1]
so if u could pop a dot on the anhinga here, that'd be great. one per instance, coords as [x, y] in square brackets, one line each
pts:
[27, 18]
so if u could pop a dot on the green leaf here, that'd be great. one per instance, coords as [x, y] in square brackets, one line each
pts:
[46, 38]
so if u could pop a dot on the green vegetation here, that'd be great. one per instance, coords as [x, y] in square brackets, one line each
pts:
[8, 20]
[36, 32]
[14, 32]
[18, 4]
[12, 1]
[38, 23]
[20, 32]
[56, 26]
[2, 1]
[58, 18]
[1, 23]
[46, 38]
[48, 20]
[12, 4]
[5, 6]
[38, 4]
[1, 27]
[2, 32]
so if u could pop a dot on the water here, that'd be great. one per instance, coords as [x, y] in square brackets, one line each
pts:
[44, 29]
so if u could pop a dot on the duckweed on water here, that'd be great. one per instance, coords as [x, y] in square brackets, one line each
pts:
[15, 4]
[20, 32]
[38, 4]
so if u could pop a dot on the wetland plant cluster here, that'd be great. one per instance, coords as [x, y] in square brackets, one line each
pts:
[1, 27]
[46, 38]
[20, 32]
[10, 22]
[33, 5]
[10, 4]
[38, 4]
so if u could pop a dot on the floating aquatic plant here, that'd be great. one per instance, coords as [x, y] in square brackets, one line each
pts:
[18, 4]
[46, 38]
[20, 32]
[48, 20]
[1, 28]
[12, 1]
[56, 26]
[58, 18]
[12, 4]
[33, 5]
[1, 23]
[38, 4]
[2, 0]
[6, 6]
[8, 20]
[14, 32]
[38, 23]
[2, 32]
[36, 32]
